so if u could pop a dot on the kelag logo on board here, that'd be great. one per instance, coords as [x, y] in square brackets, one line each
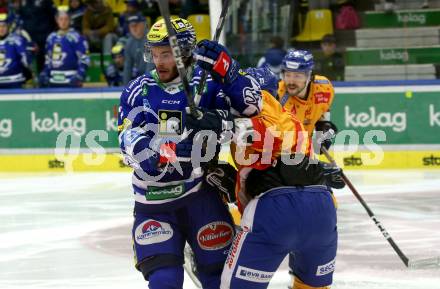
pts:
[57, 124]
[395, 121]
[5, 127]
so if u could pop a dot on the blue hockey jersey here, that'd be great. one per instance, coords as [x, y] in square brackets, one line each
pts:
[13, 61]
[66, 57]
[152, 120]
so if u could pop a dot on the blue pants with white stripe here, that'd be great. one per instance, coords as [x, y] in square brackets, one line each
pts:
[280, 221]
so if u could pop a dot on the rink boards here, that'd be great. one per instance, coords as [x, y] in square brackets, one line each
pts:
[402, 121]
[113, 161]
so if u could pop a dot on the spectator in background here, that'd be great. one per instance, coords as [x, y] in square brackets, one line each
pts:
[132, 8]
[3, 6]
[194, 7]
[151, 9]
[331, 63]
[98, 26]
[274, 55]
[134, 50]
[16, 26]
[38, 20]
[114, 72]
[66, 55]
[76, 13]
[14, 61]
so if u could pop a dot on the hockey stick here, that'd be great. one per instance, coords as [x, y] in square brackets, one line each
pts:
[165, 12]
[218, 30]
[417, 264]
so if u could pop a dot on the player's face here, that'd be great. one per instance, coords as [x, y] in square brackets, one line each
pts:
[137, 29]
[328, 48]
[63, 21]
[295, 82]
[119, 60]
[164, 61]
[3, 29]
[74, 4]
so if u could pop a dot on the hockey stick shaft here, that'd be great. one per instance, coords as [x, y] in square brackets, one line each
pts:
[218, 30]
[370, 213]
[165, 12]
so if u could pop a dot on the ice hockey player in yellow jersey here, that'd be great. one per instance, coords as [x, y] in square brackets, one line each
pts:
[309, 97]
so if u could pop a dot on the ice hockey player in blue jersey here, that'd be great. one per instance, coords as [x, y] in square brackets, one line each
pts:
[14, 60]
[157, 138]
[66, 55]
[114, 71]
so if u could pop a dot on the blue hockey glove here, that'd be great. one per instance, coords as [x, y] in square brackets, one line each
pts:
[216, 59]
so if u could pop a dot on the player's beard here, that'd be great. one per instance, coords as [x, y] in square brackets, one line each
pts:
[294, 90]
[167, 74]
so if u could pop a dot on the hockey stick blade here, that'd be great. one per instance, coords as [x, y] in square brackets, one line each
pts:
[427, 263]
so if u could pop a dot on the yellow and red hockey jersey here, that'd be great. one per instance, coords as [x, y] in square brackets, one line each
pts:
[287, 133]
[309, 110]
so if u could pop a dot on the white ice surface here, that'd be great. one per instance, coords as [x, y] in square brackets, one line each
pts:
[73, 231]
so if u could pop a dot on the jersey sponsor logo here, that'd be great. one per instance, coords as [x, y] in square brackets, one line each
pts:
[58, 56]
[322, 97]
[234, 249]
[170, 122]
[215, 235]
[326, 268]
[5, 127]
[170, 101]
[163, 193]
[4, 61]
[58, 124]
[395, 121]
[152, 232]
[431, 161]
[253, 275]
[353, 161]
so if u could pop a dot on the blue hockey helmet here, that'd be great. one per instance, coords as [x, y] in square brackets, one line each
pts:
[298, 61]
[265, 77]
